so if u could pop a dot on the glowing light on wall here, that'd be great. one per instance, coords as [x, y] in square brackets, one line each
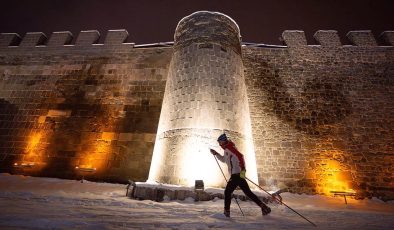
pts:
[197, 163]
[32, 150]
[333, 178]
[33, 158]
[33, 141]
[95, 157]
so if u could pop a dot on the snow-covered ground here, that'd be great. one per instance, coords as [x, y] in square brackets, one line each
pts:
[48, 203]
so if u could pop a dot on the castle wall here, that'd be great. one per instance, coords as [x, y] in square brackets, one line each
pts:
[322, 115]
[87, 105]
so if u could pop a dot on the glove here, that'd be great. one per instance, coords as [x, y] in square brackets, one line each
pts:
[213, 151]
[242, 174]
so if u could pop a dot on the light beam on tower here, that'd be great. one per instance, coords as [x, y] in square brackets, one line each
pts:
[205, 95]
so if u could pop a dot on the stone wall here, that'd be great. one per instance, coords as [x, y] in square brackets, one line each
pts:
[87, 105]
[322, 115]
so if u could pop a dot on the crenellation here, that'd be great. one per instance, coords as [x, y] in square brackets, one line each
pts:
[60, 38]
[387, 37]
[294, 38]
[9, 39]
[327, 38]
[116, 37]
[87, 38]
[363, 38]
[62, 42]
[33, 39]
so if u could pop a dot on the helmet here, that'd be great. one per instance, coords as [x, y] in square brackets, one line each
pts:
[223, 137]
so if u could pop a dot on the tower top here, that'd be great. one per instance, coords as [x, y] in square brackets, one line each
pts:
[209, 28]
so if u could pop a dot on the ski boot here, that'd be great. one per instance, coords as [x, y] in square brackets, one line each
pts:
[265, 210]
[227, 212]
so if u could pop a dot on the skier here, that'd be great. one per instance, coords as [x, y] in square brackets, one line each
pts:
[236, 168]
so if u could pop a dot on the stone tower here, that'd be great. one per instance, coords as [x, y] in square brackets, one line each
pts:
[205, 96]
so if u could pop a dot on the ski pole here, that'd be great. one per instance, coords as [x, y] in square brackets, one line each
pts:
[236, 200]
[282, 202]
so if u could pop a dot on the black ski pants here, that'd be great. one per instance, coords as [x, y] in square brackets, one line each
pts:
[232, 184]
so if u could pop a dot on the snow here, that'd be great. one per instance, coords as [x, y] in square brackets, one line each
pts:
[48, 203]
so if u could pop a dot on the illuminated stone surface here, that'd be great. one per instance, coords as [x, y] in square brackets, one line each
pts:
[205, 95]
[321, 115]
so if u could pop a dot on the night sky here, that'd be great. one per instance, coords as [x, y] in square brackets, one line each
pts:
[149, 21]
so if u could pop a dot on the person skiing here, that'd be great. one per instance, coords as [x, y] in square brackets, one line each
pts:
[236, 168]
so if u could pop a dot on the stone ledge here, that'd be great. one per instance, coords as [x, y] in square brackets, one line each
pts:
[161, 192]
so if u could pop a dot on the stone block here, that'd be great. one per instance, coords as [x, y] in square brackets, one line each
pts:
[294, 38]
[361, 38]
[116, 37]
[109, 136]
[32, 39]
[41, 119]
[125, 136]
[310, 175]
[327, 38]
[59, 113]
[344, 176]
[9, 39]
[87, 38]
[60, 38]
[387, 37]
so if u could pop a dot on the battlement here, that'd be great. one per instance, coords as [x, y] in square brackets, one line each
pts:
[330, 38]
[117, 39]
[86, 38]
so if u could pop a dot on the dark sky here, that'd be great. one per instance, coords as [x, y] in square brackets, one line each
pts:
[149, 21]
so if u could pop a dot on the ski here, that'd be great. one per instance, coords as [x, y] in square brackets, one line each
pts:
[281, 202]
